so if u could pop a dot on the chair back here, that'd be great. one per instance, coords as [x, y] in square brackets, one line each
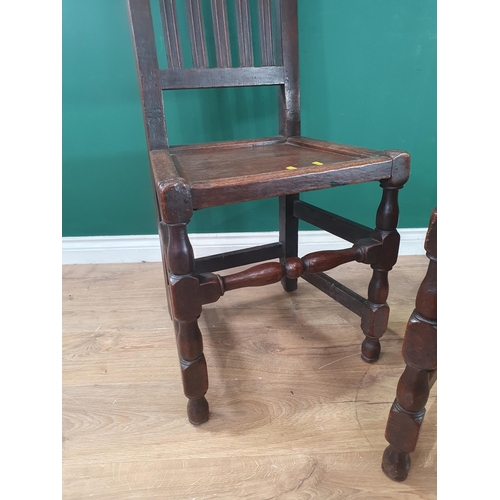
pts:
[278, 44]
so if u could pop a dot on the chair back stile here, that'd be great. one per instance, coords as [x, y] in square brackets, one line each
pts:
[148, 72]
[278, 36]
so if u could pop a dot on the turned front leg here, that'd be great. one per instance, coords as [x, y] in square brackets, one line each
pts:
[185, 304]
[193, 369]
[375, 314]
[419, 354]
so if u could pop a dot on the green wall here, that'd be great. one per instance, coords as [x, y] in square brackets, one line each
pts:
[368, 77]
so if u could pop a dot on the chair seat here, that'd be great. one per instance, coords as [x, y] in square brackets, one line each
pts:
[231, 172]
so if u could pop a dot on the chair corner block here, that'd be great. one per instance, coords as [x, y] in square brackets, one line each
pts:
[175, 200]
[400, 167]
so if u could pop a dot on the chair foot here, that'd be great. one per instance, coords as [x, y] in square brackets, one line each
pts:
[370, 349]
[395, 463]
[197, 410]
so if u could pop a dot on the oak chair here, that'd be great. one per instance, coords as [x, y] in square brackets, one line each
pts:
[194, 177]
[420, 355]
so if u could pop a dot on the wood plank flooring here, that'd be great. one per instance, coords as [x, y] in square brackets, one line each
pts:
[295, 412]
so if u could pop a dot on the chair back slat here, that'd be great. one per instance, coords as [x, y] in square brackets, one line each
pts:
[221, 33]
[245, 48]
[197, 34]
[266, 33]
[171, 32]
[278, 35]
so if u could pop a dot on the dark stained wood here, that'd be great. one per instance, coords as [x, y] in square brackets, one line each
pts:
[185, 304]
[341, 149]
[193, 177]
[334, 224]
[266, 33]
[293, 267]
[148, 73]
[238, 258]
[180, 251]
[343, 295]
[288, 235]
[280, 159]
[245, 47]
[172, 79]
[260, 275]
[163, 167]
[235, 174]
[197, 34]
[230, 190]
[221, 33]
[211, 147]
[210, 288]
[375, 314]
[419, 354]
[400, 168]
[171, 33]
[289, 94]
[319, 262]
[278, 53]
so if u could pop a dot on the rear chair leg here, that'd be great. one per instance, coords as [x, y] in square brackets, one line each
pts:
[289, 236]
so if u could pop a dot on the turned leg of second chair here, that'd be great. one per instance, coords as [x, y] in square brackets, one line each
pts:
[420, 356]
[405, 419]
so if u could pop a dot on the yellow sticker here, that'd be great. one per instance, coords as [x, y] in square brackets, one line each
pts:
[317, 163]
[290, 167]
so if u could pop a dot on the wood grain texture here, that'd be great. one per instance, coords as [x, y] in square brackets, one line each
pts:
[244, 33]
[148, 73]
[197, 34]
[296, 412]
[289, 94]
[266, 33]
[196, 78]
[221, 33]
[420, 355]
[171, 33]
[221, 173]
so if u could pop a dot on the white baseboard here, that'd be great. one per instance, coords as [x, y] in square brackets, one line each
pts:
[146, 248]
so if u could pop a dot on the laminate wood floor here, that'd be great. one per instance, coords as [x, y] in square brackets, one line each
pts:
[295, 412]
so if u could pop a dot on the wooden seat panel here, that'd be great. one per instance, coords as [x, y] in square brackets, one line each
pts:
[239, 170]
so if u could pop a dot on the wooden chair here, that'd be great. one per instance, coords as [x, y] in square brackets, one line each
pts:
[187, 178]
[420, 356]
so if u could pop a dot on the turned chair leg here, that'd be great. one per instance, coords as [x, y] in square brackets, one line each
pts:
[405, 419]
[375, 314]
[183, 291]
[419, 354]
[289, 236]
